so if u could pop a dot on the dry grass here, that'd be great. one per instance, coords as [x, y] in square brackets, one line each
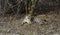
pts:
[12, 26]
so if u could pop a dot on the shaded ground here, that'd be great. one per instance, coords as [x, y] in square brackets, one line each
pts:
[49, 25]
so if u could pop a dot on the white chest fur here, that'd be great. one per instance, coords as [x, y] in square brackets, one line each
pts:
[26, 20]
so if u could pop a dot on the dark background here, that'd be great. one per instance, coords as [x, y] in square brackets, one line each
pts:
[17, 7]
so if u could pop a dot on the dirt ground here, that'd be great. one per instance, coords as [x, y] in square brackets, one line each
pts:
[48, 25]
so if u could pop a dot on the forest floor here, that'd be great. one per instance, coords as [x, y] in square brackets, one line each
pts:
[49, 25]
